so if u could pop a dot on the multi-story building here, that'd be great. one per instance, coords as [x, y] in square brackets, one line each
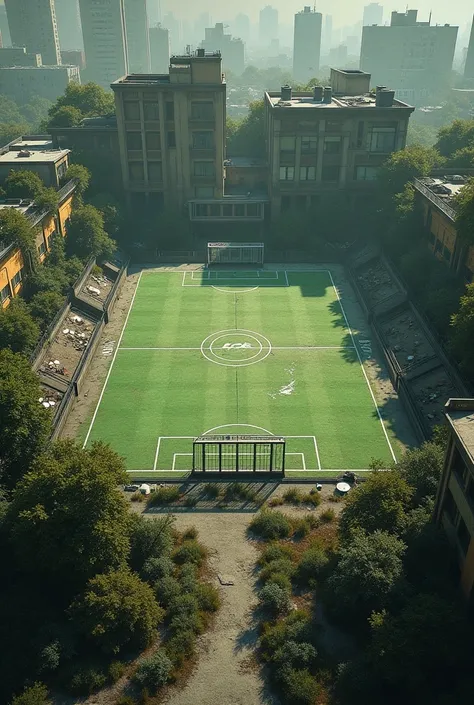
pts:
[36, 154]
[307, 44]
[74, 58]
[159, 49]
[268, 24]
[105, 42]
[415, 58]
[4, 28]
[21, 82]
[373, 14]
[232, 50]
[33, 26]
[69, 25]
[455, 500]
[330, 140]
[17, 56]
[241, 27]
[171, 131]
[138, 41]
[469, 66]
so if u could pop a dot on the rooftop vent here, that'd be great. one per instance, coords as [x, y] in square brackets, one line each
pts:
[318, 94]
[327, 95]
[286, 93]
[24, 153]
[201, 53]
[384, 98]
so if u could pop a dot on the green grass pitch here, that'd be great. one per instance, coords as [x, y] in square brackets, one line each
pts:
[244, 352]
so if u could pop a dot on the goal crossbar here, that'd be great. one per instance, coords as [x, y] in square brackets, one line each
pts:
[235, 252]
[236, 453]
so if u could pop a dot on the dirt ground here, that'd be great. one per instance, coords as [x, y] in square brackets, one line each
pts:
[406, 339]
[68, 347]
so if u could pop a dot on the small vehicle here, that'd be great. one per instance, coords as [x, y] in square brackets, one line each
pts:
[131, 488]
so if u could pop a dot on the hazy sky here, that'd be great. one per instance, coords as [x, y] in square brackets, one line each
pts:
[345, 12]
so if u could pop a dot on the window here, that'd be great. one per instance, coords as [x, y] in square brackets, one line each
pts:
[366, 173]
[169, 111]
[42, 249]
[151, 111]
[5, 294]
[155, 172]
[332, 145]
[153, 140]
[202, 110]
[136, 171]
[132, 111]
[464, 537]
[203, 140]
[307, 173]
[204, 192]
[204, 169]
[381, 139]
[309, 145]
[239, 210]
[17, 278]
[449, 506]
[331, 173]
[134, 141]
[287, 144]
[62, 169]
[360, 134]
[171, 139]
[287, 173]
[227, 210]
[253, 210]
[447, 254]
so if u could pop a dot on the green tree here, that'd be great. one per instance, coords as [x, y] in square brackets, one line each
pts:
[464, 202]
[16, 228]
[25, 424]
[88, 100]
[149, 539]
[23, 184]
[44, 306]
[86, 235]
[36, 695]
[111, 212]
[421, 468]
[248, 136]
[35, 111]
[82, 176]
[422, 135]
[68, 518]
[18, 330]
[48, 200]
[65, 116]
[463, 158]
[117, 609]
[368, 574]
[404, 166]
[380, 503]
[454, 137]
[9, 111]
[12, 130]
[462, 323]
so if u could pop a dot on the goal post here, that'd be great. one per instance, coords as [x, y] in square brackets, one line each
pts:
[251, 454]
[235, 253]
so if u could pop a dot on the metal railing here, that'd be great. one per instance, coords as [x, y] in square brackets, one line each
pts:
[435, 199]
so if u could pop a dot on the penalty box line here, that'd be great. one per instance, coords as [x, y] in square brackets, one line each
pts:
[265, 347]
[284, 280]
[187, 438]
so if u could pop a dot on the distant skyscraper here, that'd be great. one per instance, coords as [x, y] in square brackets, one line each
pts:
[232, 50]
[159, 49]
[105, 43]
[469, 68]
[69, 25]
[373, 14]
[268, 24]
[33, 26]
[4, 28]
[327, 33]
[138, 42]
[307, 44]
[172, 24]
[153, 12]
[242, 27]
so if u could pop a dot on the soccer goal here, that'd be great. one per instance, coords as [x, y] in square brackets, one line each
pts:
[239, 454]
[235, 252]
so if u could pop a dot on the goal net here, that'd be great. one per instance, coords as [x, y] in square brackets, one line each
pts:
[239, 454]
[235, 252]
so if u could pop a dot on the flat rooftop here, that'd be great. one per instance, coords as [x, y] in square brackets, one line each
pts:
[36, 156]
[305, 101]
[460, 413]
[445, 187]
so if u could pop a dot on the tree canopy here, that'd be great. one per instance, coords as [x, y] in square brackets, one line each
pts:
[86, 234]
[422, 468]
[462, 325]
[23, 184]
[464, 201]
[407, 164]
[78, 102]
[247, 137]
[19, 331]
[454, 137]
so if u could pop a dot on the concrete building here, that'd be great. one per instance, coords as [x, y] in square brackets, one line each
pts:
[469, 66]
[241, 26]
[69, 25]
[338, 56]
[455, 500]
[171, 131]
[105, 42]
[330, 140]
[307, 44]
[21, 82]
[415, 58]
[232, 50]
[373, 14]
[74, 58]
[4, 28]
[159, 49]
[33, 26]
[37, 154]
[153, 9]
[138, 41]
[268, 25]
[17, 56]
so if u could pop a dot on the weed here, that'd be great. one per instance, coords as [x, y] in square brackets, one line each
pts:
[164, 495]
[327, 516]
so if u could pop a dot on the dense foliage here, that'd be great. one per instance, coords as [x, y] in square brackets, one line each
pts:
[78, 102]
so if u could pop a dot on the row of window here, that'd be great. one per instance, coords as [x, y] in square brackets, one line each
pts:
[237, 210]
[202, 110]
[5, 293]
[329, 172]
[379, 140]
[155, 170]
[200, 140]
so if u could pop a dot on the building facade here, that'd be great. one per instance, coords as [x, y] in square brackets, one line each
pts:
[159, 49]
[232, 50]
[36, 154]
[33, 26]
[414, 58]
[18, 56]
[268, 25]
[138, 40]
[373, 14]
[69, 25]
[469, 66]
[21, 82]
[307, 44]
[171, 130]
[330, 140]
[105, 42]
[454, 509]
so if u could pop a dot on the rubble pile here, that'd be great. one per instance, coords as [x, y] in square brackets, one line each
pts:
[79, 335]
[50, 398]
[100, 284]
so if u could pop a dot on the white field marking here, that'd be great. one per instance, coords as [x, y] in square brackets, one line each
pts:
[231, 456]
[113, 360]
[264, 347]
[157, 452]
[160, 348]
[286, 277]
[175, 455]
[234, 331]
[363, 368]
[162, 438]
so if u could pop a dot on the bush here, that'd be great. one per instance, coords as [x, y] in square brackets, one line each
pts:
[295, 627]
[274, 598]
[212, 490]
[208, 597]
[328, 516]
[237, 490]
[276, 502]
[183, 604]
[275, 551]
[313, 498]
[116, 671]
[126, 700]
[280, 579]
[157, 568]
[181, 646]
[296, 654]
[312, 563]
[188, 578]
[37, 694]
[271, 525]
[86, 681]
[164, 495]
[282, 565]
[187, 622]
[154, 672]
[190, 552]
[190, 500]
[191, 533]
[167, 589]
[299, 686]
[293, 496]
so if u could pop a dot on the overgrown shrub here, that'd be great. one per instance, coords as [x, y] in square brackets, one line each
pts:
[154, 672]
[183, 604]
[187, 621]
[115, 671]
[156, 568]
[298, 686]
[86, 681]
[190, 552]
[167, 589]
[281, 565]
[208, 597]
[293, 495]
[274, 552]
[188, 577]
[271, 525]
[191, 533]
[280, 579]
[181, 646]
[238, 490]
[164, 495]
[327, 516]
[312, 563]
[212, 490]
[274, 598]
[295, 627]
[296, 654]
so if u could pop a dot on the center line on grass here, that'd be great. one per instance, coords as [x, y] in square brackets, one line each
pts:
[113, 359]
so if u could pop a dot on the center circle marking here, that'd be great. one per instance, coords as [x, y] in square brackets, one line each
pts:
[236, 342]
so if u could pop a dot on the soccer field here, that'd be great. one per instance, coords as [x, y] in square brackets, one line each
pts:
[256, 352]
